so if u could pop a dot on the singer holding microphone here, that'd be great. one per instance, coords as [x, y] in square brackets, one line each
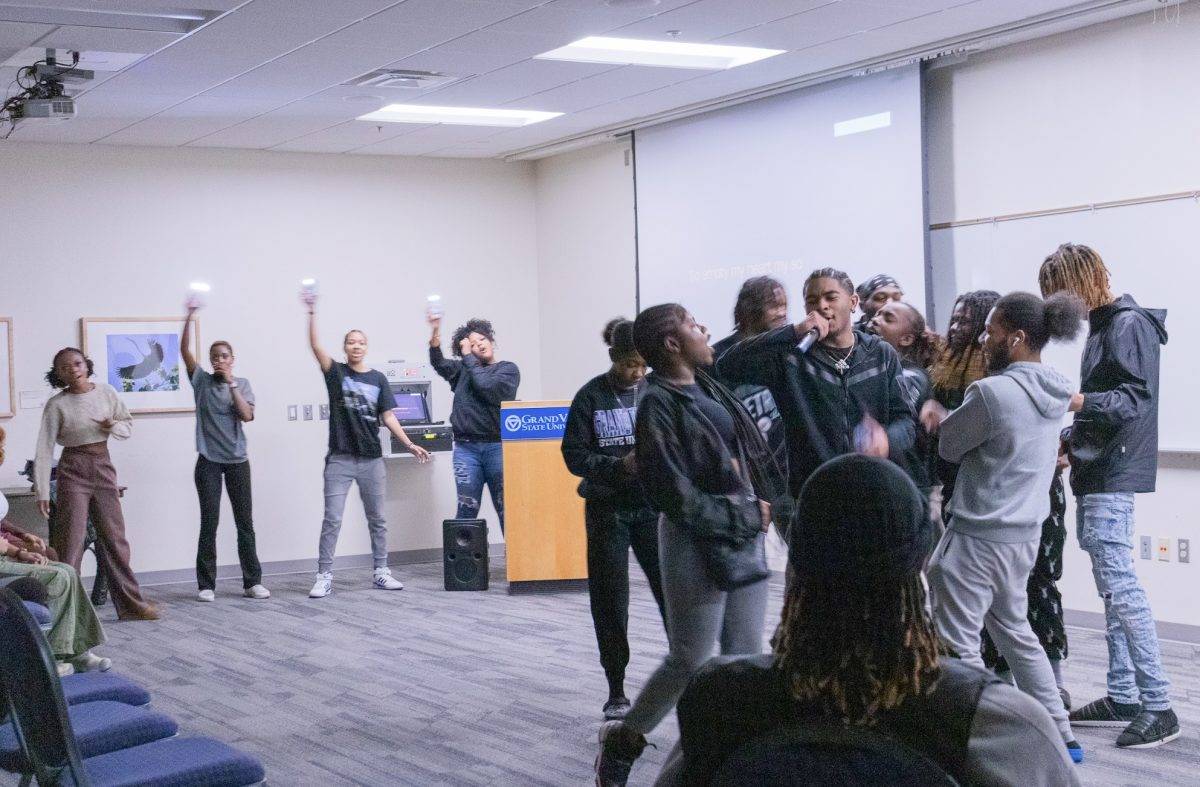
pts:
[839, 389]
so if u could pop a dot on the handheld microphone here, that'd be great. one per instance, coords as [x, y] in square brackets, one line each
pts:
[808, 340]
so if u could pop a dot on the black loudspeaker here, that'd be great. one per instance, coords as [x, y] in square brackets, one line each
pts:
[465, 554]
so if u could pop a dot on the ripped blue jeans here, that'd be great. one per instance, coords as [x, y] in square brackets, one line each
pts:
[1135, 671]
[476, 464]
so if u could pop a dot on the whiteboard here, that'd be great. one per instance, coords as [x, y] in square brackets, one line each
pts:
[769, 188]
[1151, 252]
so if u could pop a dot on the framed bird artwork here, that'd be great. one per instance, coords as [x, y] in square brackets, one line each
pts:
[139, 356]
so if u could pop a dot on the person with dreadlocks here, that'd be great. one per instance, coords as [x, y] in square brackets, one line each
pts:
[480, 383]
[902, 325]
[597, 446]
[701, 460]
[1004, 437]
[875, 293]
[842, 396]
[1113, 450]
[761, 306]
[857, 649]
[959, 364]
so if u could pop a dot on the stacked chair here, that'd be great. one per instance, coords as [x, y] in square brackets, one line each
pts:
[95, 729]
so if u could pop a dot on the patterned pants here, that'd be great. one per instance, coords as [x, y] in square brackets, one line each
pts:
[1045, 602]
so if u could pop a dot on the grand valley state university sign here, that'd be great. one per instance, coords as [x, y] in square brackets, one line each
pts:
[533, 423]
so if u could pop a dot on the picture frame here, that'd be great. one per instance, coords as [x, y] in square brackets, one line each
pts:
[8, 391]
[140, 358]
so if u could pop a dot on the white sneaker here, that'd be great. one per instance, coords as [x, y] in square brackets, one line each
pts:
[385, 581]
[64, 669]
[323, 586]
[90, 662]
[258, 591]
[206, 595]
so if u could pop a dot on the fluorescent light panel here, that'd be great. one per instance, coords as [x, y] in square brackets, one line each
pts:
[865, 123]
[673, 54]
[460, 116]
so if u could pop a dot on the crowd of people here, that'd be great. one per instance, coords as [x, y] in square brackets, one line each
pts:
[916, 479]
[892, 461]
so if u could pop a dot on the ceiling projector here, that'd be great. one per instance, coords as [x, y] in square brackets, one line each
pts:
[42, 90]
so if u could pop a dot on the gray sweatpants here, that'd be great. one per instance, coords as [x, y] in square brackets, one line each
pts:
[699, 617]
[975, 584]
[371, 476]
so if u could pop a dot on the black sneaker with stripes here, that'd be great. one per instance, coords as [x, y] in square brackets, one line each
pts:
[1105, 713]
[1151, 728]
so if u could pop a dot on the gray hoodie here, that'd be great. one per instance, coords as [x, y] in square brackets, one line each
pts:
[1005, 438]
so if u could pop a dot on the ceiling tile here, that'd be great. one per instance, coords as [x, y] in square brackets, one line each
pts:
[190, 120]
[347, 136]
[511, 83]
[610, 86]
[708, 19]
[102, 39]
[18, 35]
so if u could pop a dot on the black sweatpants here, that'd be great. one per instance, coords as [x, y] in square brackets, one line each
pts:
[208, 486]
[610, 533]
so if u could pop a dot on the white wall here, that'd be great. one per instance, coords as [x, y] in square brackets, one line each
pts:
[111, 231]
[585, 260]
[1103, 113]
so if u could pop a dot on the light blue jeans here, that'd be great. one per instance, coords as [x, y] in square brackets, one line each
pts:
[476, 464]
[1105, 531]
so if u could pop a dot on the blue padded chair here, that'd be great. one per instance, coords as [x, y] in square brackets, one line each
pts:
[30, 591]
[99, 728]
[95, 686]
[43, 727]
[40, 614]
[816, 755]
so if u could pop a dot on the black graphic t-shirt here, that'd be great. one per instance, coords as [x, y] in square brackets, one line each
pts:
[598, 435]
[356, 402]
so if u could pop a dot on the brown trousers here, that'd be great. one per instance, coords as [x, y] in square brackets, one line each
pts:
[87, 481]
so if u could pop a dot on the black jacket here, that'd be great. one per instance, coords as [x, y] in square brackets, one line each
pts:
[1114, 439]
[820, 407]
[478, 392]
[599, 433]
[689, 474]
[759, 402]
[918, 460]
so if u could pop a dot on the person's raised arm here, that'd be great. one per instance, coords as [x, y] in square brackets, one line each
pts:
[498, 384]
[185, 340]
[446, 368]
[323, 359]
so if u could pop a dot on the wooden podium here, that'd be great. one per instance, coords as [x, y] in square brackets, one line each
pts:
[545, 539]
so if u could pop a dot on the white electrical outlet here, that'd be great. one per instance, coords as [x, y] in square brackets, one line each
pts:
[1164, 550]
[1185, 550]
[1146, 548]
[324, 412]
[308, 415]
[292, 412]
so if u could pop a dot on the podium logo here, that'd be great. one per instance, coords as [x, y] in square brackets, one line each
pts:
[534, 423]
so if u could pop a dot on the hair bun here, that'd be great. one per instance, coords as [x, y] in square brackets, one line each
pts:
[610, 329]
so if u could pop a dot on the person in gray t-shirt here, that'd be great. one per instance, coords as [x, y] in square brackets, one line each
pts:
[223, 403]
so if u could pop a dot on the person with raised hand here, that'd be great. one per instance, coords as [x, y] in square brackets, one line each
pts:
[360, 401]
[223, 404]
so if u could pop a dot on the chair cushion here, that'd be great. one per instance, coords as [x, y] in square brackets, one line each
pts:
[94, 686]
[175, 762]
[99, 727]
[40, 614]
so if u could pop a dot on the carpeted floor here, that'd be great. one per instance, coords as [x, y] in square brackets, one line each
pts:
[426, 687]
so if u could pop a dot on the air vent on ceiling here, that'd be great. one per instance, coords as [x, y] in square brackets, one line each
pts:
[403, 79]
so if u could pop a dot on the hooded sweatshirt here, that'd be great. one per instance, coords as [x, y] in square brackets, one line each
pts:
[1005, 439]
[1114, 440]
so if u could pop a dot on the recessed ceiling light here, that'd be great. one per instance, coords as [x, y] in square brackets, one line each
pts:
[461, 116]
[641, 52]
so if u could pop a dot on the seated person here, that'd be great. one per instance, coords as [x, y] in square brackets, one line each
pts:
[855, 647]
[75, 629]
[14, 534]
